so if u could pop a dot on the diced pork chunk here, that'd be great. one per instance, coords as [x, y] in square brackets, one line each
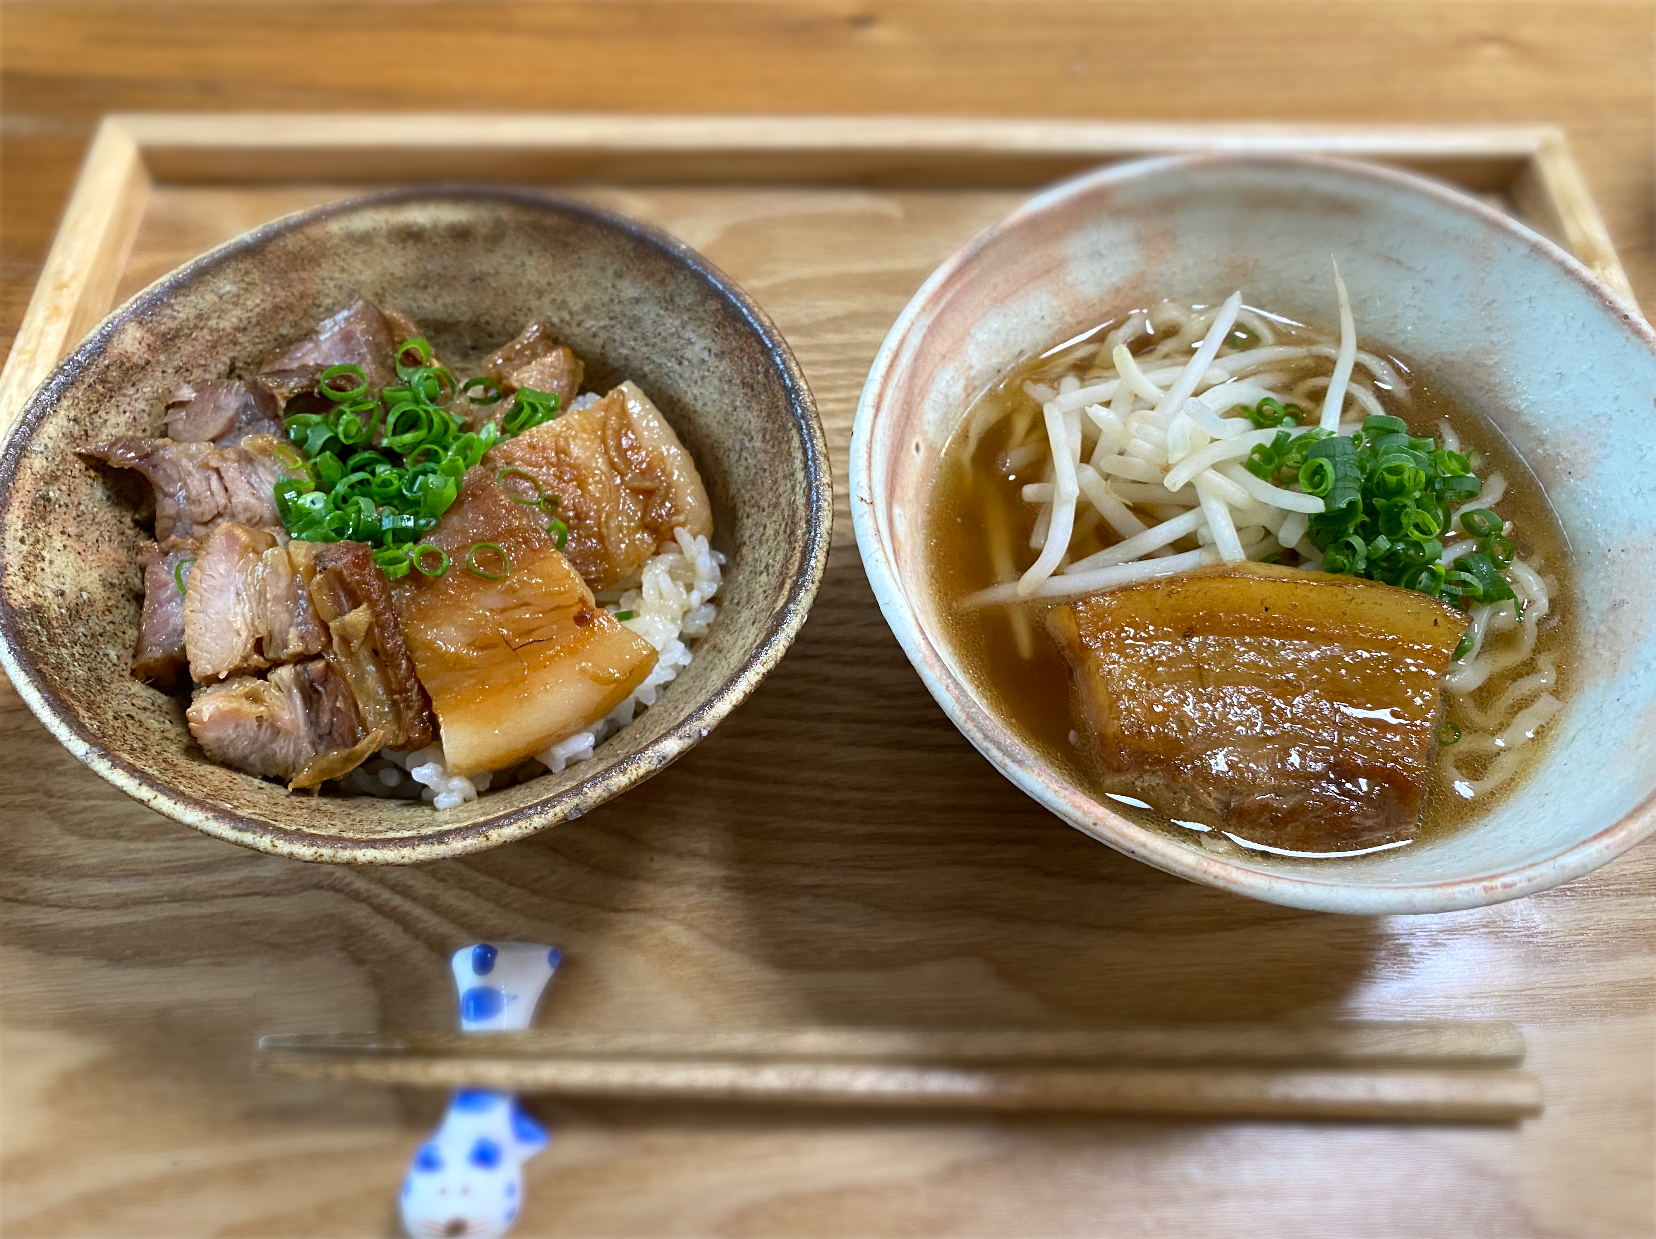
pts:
[624, 482]
[366, 645]
[197, 485]
[247, 607]
[258, 726]
[358, 335]
[223, 411]
[513, 665]
[300, 725]
[1296, 710]
[289, 627]
[535, 360]
[160, 653]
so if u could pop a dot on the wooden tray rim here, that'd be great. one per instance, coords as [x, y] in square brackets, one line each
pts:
[131, 153]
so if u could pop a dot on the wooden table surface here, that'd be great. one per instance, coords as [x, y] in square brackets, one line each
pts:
[835, 852]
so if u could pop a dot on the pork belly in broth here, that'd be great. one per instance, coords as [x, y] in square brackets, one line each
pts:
[373, 576]
[1299, 710]
[1177, 438]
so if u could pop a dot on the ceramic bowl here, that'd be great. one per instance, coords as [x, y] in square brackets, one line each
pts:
[472, 265]
[1497, 316]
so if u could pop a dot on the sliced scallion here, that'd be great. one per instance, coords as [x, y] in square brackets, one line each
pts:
[484, 547]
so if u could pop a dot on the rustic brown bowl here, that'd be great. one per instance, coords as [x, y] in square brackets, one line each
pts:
[471, 265]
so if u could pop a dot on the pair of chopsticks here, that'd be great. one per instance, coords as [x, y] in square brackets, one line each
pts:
[1448, 1071]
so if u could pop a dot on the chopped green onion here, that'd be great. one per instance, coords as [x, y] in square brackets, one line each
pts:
[420, 348]
[1449, 733]
[1481, 522]
[529, 409]
[178, 573]
[430, 382]
[505, 561]
[1464, 647]
[418, 555]
[624, 615]
[517, 496]
[490, 390]
[325, 385]
[1268, 413]
[382, 467]
[1387, 498]
[1382, 424]
[393, 561]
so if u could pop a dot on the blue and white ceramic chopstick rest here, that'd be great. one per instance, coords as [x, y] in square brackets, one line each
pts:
[467, 1179]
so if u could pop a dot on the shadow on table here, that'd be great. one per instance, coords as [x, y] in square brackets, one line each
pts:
[841, 840]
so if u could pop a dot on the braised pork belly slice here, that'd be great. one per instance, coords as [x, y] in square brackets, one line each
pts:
[513, 665]
[623, 480]
[248, 606]
[367, 647]
[358, 335]
[160, 654]
[1293, 709]
[197, 485]
[223, 411]
[300, 725]
[534, 360]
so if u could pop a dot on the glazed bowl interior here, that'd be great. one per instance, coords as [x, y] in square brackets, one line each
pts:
[1497, 318]
[472, 266]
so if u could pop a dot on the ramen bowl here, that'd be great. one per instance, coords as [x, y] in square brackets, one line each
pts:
[471, 265]
[1499, 319]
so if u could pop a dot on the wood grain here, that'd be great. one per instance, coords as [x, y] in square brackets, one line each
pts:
[888, 877]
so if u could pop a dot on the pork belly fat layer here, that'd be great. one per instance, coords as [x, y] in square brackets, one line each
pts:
[514, 665]
[624, 482]
[1297, 710]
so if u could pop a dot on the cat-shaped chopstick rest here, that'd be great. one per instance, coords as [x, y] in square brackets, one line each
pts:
[467, 1179]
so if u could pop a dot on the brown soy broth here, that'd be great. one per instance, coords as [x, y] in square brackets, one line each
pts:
[971, 492]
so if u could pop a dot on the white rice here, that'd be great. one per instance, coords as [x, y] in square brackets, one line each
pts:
[671, 604]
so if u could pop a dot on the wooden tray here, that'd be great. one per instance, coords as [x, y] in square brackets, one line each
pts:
[137, 158]
[834, 854]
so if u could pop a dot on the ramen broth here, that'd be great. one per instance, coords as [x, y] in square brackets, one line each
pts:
[978, 533]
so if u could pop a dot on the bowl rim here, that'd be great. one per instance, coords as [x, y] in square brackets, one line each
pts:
[994, 739]
[218, 819]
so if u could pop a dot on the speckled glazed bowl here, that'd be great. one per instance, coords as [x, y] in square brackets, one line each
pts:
[1497, 316]
[472, 265]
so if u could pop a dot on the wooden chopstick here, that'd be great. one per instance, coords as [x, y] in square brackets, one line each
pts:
[1450, 1072]
[1471, 1095]
[1481, 1043]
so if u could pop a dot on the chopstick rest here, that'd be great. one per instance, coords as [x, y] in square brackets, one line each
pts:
[467, 1179]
